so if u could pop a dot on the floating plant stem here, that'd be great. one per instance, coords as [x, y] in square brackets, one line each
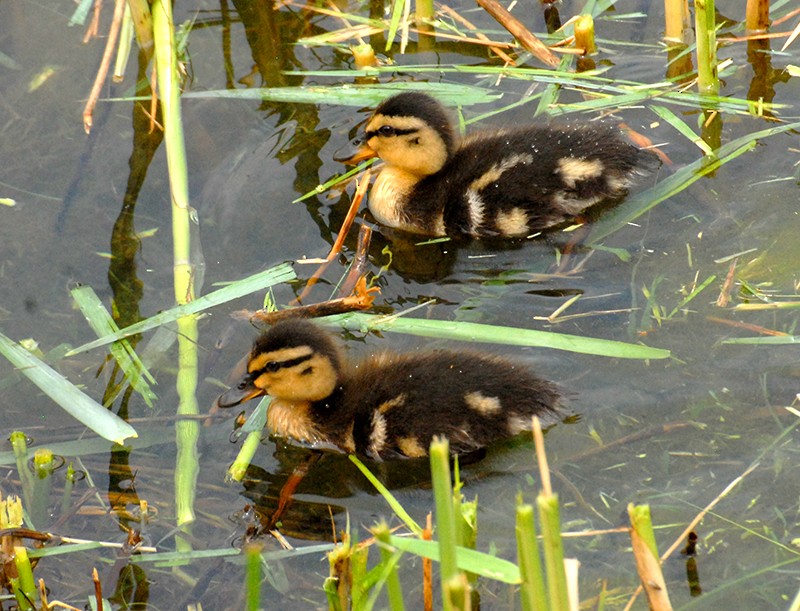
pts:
[707, 79]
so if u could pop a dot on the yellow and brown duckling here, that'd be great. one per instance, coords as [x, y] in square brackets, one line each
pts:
[503, 183]
[387, 405]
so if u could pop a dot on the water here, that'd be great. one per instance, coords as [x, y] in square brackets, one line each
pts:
[671, 433]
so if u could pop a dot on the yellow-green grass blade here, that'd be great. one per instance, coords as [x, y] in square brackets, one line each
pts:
[354, 95]
[398, 509]
[251, 284]
[467, 559]
[476, 332]
[102, 323]
[79, 405]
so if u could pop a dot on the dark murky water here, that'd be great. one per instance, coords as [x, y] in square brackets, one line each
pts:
[695, 422]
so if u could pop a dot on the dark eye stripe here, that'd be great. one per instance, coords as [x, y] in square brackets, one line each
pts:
[273, 366]
[394, 132]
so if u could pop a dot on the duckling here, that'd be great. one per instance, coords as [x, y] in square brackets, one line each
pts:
[504, 183]
[388, 405]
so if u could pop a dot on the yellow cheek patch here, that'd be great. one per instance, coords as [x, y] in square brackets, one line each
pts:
[483, 404]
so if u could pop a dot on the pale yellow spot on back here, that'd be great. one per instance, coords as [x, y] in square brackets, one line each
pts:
[392, 403]
[483, 404]
[411, 447]
[513, 222]
[498, 169]
[574, 170]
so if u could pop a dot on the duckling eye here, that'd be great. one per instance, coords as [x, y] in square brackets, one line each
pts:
[272, 366]
[387, 131]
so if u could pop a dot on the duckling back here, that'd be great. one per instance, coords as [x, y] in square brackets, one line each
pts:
[514, 183]
[472, 399]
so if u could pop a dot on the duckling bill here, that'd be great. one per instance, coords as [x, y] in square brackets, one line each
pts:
[502, 183]
[388, 405]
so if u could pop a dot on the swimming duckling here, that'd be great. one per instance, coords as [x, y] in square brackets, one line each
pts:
[387, 405]
[505, 182]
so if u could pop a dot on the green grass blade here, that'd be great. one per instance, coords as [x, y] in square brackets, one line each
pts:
[353, 95]
[397, 14]
[79, 405]
[476, 332]
[398, 509]
[468, 559]
[251, 284]
[102, 323]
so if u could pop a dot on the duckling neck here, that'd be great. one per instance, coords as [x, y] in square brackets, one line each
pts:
[319, 422]
[389, 199]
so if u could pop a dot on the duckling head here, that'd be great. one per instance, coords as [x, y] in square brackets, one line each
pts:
[410, 132]
[294, 361]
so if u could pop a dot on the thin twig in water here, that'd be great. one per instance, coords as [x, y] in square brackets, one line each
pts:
[102, 71]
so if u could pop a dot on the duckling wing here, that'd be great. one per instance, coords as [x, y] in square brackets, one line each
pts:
[473, 400]
[516, 182]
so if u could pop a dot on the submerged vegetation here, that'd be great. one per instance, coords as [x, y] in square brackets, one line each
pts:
[733, 294]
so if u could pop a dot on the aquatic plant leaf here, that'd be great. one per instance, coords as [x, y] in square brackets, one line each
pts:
[74, 401]
[240, 288]
[476, 332]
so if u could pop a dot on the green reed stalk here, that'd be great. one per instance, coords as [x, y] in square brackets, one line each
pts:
[424, 9]
[707, 79]
[645, 551]
[245, 456]
[43, 467]
[252, 581]
[393, 588]
[187, 432]
[69, 484]
[553, 551]
[445, 519]
[22, 585]
[532, 590]
[19, 445]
